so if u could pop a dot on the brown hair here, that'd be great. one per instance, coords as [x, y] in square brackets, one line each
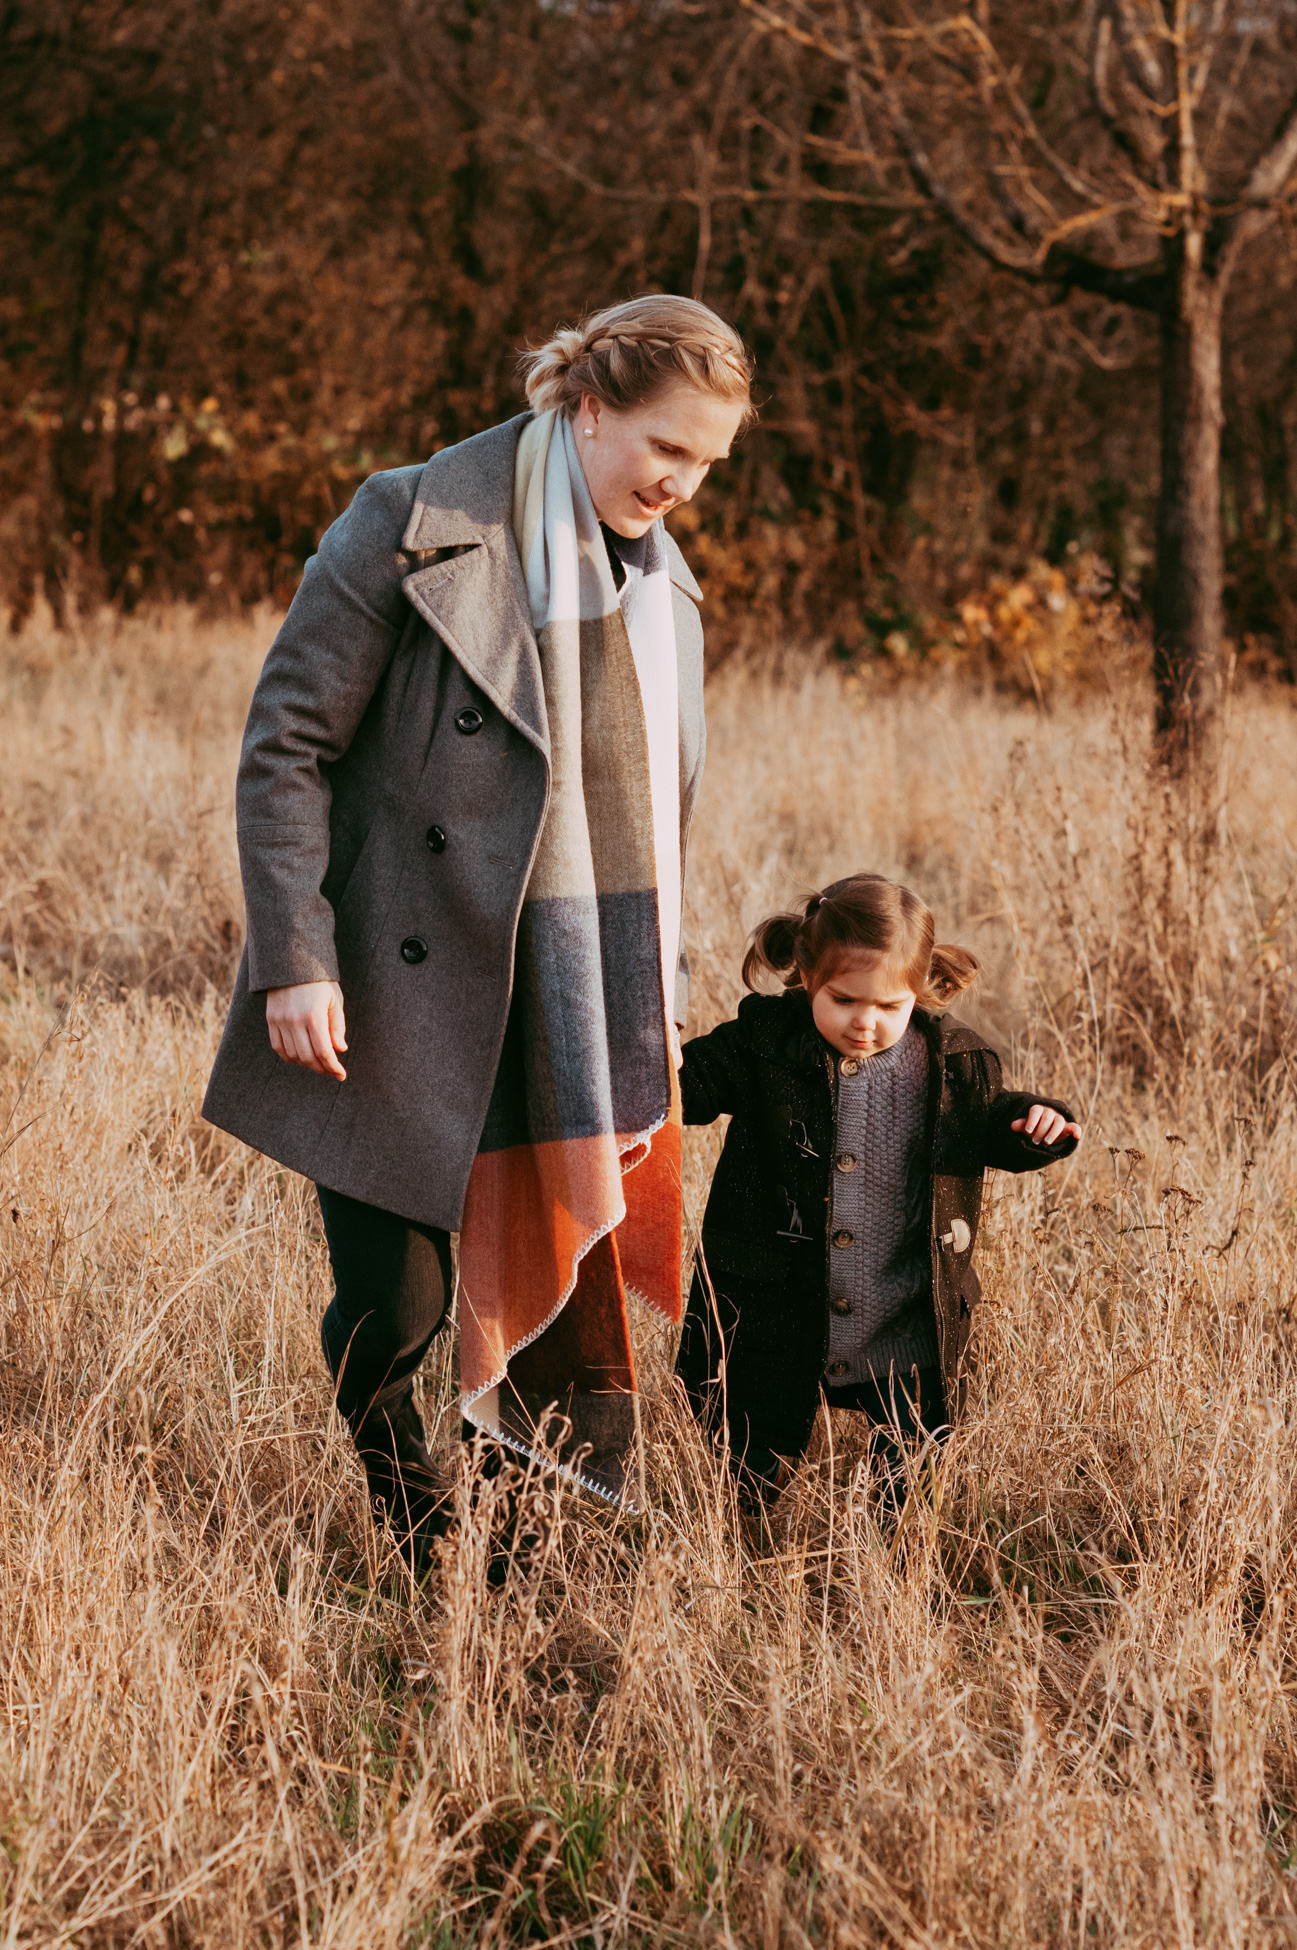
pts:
[626, 353]
[865, 914]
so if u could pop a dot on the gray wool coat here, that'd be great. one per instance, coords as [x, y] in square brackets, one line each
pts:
[394, 780]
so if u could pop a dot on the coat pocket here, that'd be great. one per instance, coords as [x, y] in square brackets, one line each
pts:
[370, 889]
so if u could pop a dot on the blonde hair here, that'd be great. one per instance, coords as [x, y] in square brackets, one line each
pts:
[626, 353]
[865, 914]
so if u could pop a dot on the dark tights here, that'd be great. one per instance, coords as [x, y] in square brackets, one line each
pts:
[902, 1412]
[392, 1280]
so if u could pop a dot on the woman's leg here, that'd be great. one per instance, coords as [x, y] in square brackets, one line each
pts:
[392, 1292]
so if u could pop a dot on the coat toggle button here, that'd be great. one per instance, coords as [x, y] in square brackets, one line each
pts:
[414, 949]
[959, 1236]
[436, 840]
[469, 720]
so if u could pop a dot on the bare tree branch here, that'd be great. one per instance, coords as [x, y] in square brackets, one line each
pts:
[1076, 181]
[1201, 68]
[1228, 97]
[1138, 141]
[1186, 151]
[1270, 176]
[1141, 285]
[716, 192]
[1143, 64]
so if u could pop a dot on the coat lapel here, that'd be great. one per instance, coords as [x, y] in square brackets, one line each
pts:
[468, 585]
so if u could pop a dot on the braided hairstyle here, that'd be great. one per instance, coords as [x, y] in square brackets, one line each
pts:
[626, 353]
[864, 915]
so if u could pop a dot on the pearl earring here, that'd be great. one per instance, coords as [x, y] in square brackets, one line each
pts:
[589, 433]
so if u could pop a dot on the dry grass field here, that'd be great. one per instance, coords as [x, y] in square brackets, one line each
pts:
[1058, 1707]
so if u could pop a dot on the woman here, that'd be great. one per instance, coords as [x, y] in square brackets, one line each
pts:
[463, 802]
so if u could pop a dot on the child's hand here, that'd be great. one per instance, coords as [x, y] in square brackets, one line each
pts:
[1046, 1126]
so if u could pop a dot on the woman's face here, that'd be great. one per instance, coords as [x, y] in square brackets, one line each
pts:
[642, 461]
[862, 1008]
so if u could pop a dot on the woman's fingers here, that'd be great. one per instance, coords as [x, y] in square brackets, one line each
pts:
[337, 1018]
[306, 1024]
[303, 1046]
[322, 1043]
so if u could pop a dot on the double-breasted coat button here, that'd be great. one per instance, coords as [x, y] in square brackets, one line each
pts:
[843, 1238]
[836, 1368]
[414, 949]
[847, 1161]
[840, 1306]
[849, 1066]
[469, 720]
[436, 840]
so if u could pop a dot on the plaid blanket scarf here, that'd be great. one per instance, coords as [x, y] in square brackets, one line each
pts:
[574, 1196]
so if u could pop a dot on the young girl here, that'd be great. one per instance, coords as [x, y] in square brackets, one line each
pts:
[838, 1239]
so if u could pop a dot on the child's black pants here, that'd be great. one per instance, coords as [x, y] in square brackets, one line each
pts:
[903, 1411]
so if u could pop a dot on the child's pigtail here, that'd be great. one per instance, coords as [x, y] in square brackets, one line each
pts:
[772, 950]
[950, 972]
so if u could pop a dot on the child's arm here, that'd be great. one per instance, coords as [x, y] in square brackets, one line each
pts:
[1023, 1133]
[715, 1075]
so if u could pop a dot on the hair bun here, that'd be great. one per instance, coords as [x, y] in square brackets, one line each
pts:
[566, 346]
[625, 353]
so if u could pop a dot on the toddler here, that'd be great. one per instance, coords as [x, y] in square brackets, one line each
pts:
[838, 1239]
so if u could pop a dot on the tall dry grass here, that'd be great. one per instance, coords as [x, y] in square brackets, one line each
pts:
[1056, 1707]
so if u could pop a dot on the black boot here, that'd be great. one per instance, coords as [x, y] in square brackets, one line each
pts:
[402, 1482]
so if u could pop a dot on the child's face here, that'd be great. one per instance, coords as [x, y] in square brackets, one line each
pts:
[860, 1008]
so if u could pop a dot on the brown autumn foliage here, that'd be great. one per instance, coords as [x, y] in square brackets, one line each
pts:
[255, 251]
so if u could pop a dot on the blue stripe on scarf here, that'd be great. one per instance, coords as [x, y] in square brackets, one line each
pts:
[571, 979]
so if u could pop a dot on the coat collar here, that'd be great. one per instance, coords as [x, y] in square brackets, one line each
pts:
[679, 571]
[947, 1035]
[468, 582]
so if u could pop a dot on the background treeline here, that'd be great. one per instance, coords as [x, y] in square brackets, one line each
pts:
[254, 251]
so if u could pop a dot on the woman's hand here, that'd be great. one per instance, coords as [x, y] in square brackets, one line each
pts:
[307, 1025]
[1046, 1126]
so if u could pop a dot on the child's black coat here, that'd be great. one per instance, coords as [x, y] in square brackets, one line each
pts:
[765, 1231]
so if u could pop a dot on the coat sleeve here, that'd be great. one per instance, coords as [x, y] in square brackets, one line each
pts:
[323, 668]
[716, 1075]
[1010, 1150]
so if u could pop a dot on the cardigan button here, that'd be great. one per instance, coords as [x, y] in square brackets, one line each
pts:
[847, 1161]
[843, 1238]
[840, 1306]
[838, 1368]
[414, 949]
[436, 840]
[849, 1065]
[469, 720]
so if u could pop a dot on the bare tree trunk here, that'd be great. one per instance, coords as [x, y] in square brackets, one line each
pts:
[1188, 589]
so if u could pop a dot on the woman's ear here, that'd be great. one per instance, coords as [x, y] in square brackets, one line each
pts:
[588, 418]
